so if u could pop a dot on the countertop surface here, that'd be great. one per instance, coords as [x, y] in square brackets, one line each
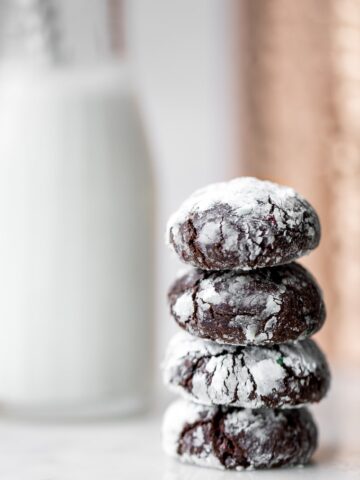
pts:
[129, 450]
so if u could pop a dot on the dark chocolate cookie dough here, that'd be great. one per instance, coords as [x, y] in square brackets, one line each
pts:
[229, 438]
[245, 224]
[265, 306]
[283, 375]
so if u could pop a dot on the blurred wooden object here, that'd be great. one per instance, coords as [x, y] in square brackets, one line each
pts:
[345, 174]
[300, 126]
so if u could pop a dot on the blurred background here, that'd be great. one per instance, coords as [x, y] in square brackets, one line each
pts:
[269, 89]
[111, 114]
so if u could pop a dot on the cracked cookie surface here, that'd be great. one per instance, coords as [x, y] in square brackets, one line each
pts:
[265, 306]
[237, 439]
[244, 224]
[277, 376]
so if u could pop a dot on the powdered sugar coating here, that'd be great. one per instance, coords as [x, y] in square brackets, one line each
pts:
[176, 417]
[251, 377]
[245, 223]
[225, 438]
[262, 307]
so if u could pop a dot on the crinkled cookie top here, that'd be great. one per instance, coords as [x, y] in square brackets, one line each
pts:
[251, 377]
[262, 307]
[244, 224]
[238, 439]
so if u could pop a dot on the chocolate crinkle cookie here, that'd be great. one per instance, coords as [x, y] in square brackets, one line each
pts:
[243, 224]
[238, 439]
[265, 306]
[277, 376]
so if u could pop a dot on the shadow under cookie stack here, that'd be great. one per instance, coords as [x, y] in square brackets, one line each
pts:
[244, 359]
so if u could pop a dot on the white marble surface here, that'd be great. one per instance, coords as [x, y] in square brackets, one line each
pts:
[131, 450]
[128, 450]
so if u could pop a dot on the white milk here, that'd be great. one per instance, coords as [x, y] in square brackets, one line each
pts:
[75, 244]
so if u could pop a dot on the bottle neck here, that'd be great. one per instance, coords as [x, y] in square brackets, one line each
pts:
[49, 32]
[28, 32]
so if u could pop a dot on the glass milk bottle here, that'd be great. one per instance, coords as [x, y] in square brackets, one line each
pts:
[75, 217]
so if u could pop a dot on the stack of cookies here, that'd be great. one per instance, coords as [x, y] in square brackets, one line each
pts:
[244, 359]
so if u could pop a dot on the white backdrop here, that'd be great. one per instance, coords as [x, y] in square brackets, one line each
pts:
[181, 53]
